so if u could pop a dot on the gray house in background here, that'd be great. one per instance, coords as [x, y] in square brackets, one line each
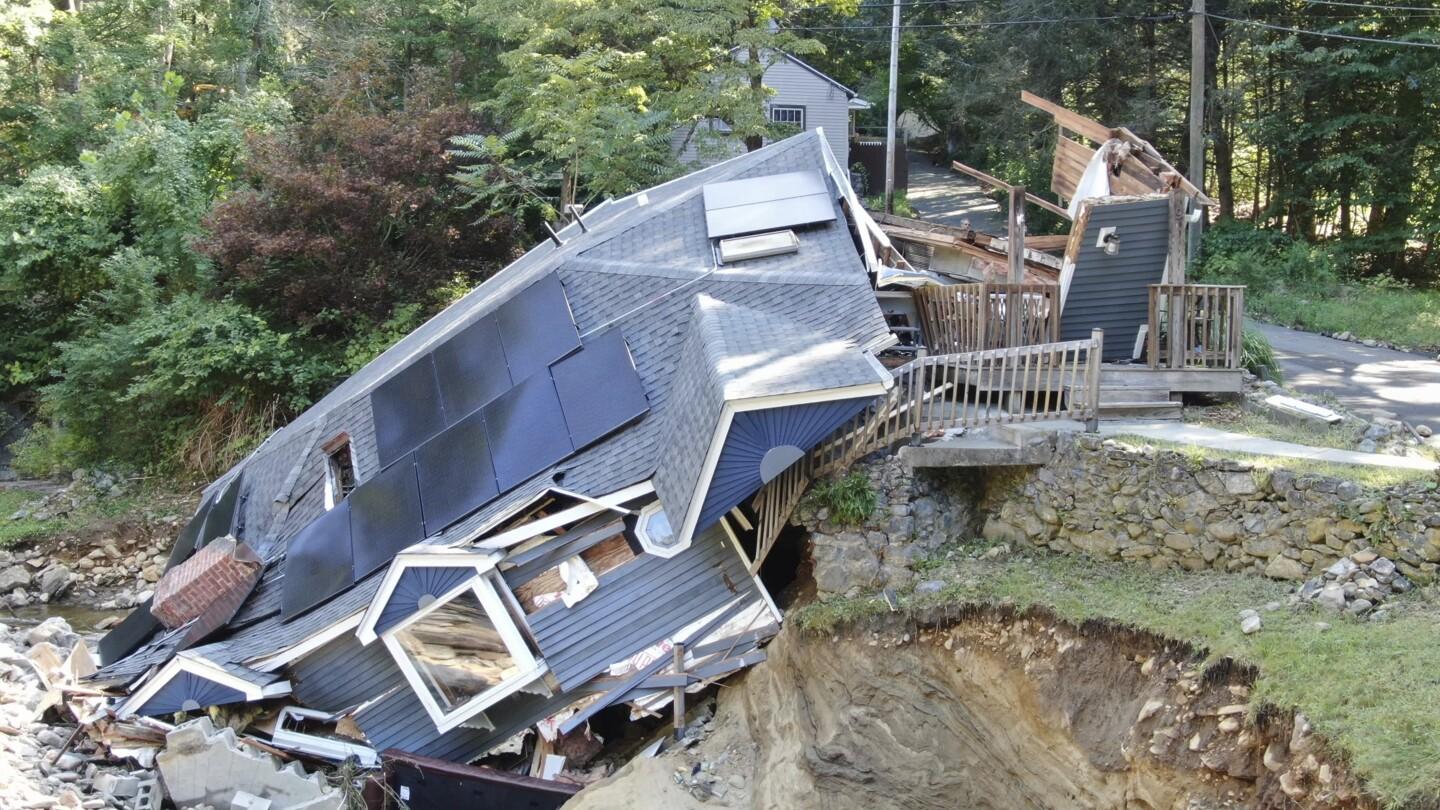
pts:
[804, 98]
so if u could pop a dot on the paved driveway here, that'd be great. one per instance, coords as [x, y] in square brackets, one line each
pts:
[1362, 378]
[949, 198]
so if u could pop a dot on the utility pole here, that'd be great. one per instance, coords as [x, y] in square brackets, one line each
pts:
[890, 115]
[1197, 113]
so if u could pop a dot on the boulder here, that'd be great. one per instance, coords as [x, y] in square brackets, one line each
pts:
[15, 576]
[55, 581]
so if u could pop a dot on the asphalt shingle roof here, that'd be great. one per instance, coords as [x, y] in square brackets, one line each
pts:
[639, 264]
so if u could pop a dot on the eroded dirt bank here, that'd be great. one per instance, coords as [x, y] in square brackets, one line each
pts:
[987, 710]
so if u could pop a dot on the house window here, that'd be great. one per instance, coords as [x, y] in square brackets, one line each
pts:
[463, 654]
[788, 115]
[458, 652]
[339, 470]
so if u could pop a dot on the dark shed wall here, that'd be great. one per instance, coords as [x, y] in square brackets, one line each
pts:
[1112, 292]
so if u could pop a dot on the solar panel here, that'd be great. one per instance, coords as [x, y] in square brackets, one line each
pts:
[317, 562]
[456, 474]
[753, 190]
[527, 430]
[221, 518]
[536, 327]
[129, 634]
[407, 410]
[385, 516]
[599, 388]
[470, 368]
[767, 203]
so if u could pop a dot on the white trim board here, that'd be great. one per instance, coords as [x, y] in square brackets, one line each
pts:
[201, 668]
[685, 534]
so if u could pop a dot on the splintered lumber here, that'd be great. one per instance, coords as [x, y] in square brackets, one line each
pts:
[1073, 121]
[1006, 187]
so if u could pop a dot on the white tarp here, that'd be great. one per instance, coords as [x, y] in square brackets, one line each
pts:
[1095, 182]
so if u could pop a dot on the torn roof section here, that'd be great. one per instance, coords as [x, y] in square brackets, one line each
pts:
[785, 377]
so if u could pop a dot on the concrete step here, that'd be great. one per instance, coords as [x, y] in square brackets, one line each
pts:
[1141, 410]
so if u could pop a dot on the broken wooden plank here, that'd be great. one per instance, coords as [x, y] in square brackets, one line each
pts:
[1006, 187]
[1046, 241]
[1073, 121]
[730, 665]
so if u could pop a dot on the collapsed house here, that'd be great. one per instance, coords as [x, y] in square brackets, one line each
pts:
[556, 496]
[538, 504]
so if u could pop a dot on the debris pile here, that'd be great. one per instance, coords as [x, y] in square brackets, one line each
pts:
[80, 759]
[1357, 584]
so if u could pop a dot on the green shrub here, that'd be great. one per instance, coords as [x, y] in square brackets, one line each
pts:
[1258, 356]
[1237, 253]
[850, 499]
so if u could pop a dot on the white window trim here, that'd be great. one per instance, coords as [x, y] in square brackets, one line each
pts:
[530, 666]
[201, 668]
[800, 108]
[326, 747]
[424, 557]
[339, 444]
[684, 534]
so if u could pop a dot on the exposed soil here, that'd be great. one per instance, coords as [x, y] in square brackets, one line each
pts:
[988, 710]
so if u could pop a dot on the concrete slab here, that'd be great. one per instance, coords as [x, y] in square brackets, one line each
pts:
[202, 766]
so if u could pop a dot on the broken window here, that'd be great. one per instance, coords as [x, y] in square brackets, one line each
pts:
[339, 470]
[458, 652]
[788, 115]
[463, 654]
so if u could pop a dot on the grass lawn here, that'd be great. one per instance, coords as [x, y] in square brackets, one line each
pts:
[1372, 688]
[15, 531]
[1408, 318]
[130, 504]
[1343, 436]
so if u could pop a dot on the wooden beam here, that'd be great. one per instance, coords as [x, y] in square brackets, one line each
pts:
[678, 697]
[1073, 121]
[1046, 242]
[1004, 186]
[1015, 231]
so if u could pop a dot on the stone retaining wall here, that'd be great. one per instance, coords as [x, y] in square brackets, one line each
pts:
[914, 515]
[1170, 510]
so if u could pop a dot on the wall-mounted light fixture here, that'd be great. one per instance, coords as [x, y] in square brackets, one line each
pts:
[1109, 241]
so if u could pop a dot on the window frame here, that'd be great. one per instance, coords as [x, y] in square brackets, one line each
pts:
[531, 666]
[800, 108]
[334, 489]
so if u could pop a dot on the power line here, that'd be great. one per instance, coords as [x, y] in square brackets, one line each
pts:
[1351, 37]
[990, 24]
[1374, 6]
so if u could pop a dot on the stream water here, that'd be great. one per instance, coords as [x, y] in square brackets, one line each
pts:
[82, 619]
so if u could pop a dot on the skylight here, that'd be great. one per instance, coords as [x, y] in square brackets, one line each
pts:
[774, 243]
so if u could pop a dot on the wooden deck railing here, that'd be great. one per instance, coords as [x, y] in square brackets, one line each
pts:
[1195, 325]
[975, 317]
[939, 392]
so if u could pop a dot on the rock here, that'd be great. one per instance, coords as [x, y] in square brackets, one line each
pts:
[1382, 567]
[55, 581]
[1364, 557]
[14, 577]
[53, 630]
[1425, 431]
[1359, 606]
[930, 586]
[1343, 568]
[1400, 584]
[1251, 624]
[1311, 588]
[1332, 596]
[1284, 568]
[1366, 446]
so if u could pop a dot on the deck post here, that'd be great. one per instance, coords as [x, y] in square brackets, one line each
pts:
[1092, 378]
[678, 697]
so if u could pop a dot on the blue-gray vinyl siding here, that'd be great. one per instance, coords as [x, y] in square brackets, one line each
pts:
[414, 586]
[344, 673]
[185, 687]
[1112, 292]
[638, 604]
[754, 433]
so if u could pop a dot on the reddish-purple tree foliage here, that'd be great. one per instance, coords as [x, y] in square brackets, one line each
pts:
[350, 214]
